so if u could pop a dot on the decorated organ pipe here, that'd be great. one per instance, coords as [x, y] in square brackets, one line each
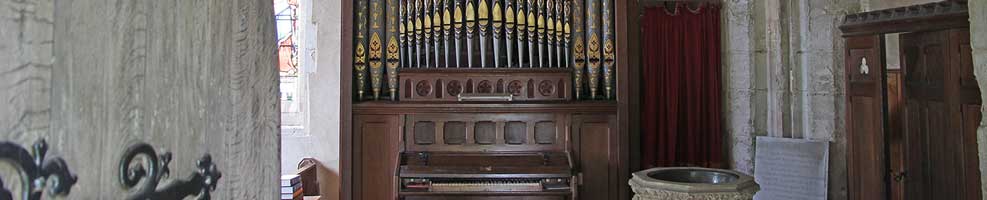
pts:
[497, 25]
[403, 31]
[393, 48]
[522, 28]
[376, 46]
[542, 56]
[458, 26]
[559, 31]
[482, 24]
[470, 26]
[436, 33]
[550, 33]
[593, 46]
[360, 59]
[532, 12]
[578, 47]
[608, 48]
[427, 32]
[578, 35]
[419, 34]
[447, 31]
[509, 32]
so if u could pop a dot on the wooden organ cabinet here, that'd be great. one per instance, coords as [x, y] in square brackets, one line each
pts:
[485, 99]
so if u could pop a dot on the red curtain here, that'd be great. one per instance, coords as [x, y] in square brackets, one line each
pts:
[682, 114]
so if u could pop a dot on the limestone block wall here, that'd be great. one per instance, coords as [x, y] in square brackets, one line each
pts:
[784, 77]
[978, 38]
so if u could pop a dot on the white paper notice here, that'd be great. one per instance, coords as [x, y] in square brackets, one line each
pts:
[791, 168]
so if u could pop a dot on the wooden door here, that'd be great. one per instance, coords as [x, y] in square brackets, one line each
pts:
[595, 147]
[942, 111]
[99, 80]
[377, 140]
[896, 139]
[865, 117]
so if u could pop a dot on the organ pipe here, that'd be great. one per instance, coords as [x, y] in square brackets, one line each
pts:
[394, 34]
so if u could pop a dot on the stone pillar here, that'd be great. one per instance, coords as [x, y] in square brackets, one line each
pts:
[738, 51]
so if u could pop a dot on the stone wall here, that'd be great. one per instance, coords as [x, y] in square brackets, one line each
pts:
[978, 40]
[784, 75]
[784, 72]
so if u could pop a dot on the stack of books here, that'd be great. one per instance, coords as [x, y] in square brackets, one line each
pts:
[291, 187]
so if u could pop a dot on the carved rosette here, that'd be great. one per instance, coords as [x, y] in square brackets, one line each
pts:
[454, 88]
[423, 88]
[546, 88]
[514, 87]
[484, 87]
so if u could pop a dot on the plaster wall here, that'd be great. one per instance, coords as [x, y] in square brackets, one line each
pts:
[320, 140]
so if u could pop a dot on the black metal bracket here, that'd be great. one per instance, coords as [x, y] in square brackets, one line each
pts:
[153, 167]
[38, 173]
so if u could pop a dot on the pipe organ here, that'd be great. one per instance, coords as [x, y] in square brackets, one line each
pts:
[575, 37]
[482, 99]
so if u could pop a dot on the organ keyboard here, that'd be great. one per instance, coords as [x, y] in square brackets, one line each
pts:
[471, 174]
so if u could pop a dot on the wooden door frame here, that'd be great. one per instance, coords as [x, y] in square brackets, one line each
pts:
[627, 79]
[949, 14]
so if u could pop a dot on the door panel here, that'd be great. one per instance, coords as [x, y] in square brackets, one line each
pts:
[865, 99]
[943, 111]
[189, 78]
[379, 140]
[594, 143]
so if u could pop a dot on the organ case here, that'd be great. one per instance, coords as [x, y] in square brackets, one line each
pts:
[485, 99]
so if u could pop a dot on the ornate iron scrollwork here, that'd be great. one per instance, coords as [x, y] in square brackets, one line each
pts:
[155, 167]
[38, 173]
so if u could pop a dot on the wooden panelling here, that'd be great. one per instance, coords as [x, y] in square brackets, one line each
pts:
[93, 77]
[595, 147]
[942, 108]
[489, 132]
[378, 140]
[865, 72]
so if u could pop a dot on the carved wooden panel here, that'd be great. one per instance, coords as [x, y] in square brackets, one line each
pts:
[522, 85]
[486, 132]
